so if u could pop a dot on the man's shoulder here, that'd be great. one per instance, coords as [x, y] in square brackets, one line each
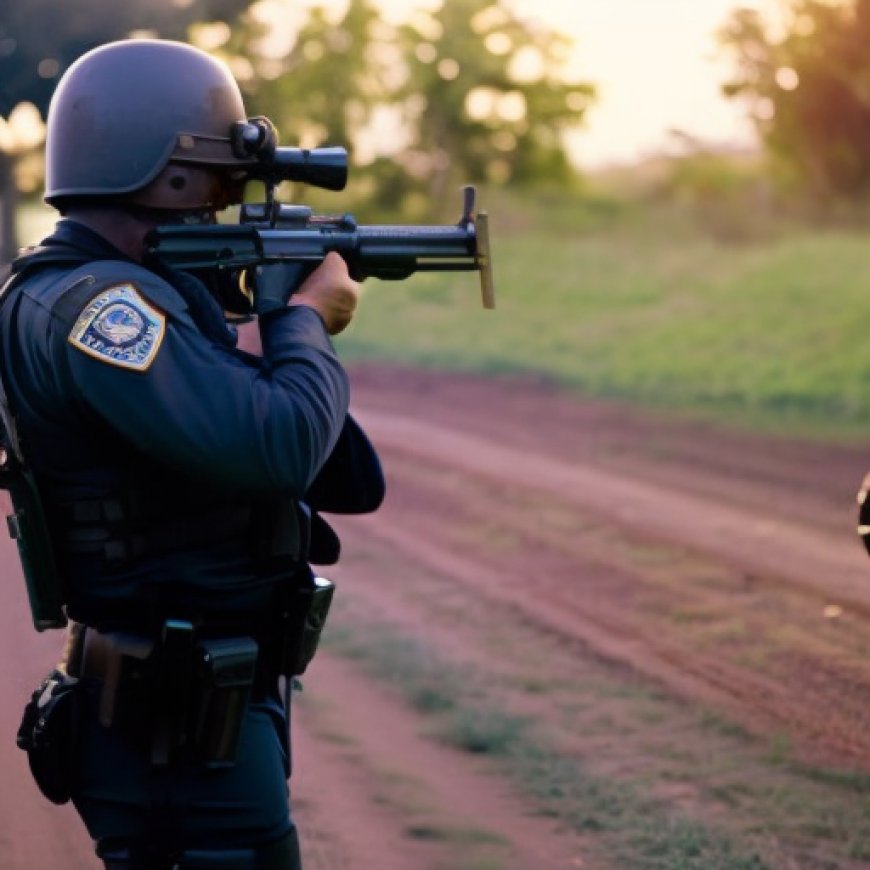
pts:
[48, 281]
[69, 292]
[113, 310]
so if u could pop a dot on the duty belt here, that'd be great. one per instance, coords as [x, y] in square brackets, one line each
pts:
[192, 687]
[192, 692]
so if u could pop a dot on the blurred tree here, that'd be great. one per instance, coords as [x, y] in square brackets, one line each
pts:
[807, 86]
[485, 96]
[39, 40]
[322, 82]
[464, 92]
[37, 43]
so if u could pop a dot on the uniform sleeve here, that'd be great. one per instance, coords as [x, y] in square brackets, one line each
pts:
[196, 405]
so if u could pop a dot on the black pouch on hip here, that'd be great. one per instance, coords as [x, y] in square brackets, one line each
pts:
[224, 679]
[49, 734]
[308, 608]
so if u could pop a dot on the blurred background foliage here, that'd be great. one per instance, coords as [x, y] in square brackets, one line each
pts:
[464, 92]
[469, 91]
[807, 87]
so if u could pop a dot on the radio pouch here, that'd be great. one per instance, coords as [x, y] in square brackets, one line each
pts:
[307, 612]
[49, 734]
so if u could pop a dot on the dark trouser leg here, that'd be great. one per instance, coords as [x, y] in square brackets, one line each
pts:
[124, 800]
[281, 855]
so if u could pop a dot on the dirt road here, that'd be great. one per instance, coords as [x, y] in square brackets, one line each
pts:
[681, 613]
[720, 568]
[743, 525]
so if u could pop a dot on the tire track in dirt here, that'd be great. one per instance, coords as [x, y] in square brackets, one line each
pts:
[787, 551]
[761, 702]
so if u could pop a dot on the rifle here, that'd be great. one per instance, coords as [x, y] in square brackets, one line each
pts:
[277, 245]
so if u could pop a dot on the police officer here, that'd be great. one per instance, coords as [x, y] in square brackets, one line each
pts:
[178, 470]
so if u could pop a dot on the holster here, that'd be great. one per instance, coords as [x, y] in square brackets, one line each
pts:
[27, 523]
[307, 609]
[49, 734]
[192, 692]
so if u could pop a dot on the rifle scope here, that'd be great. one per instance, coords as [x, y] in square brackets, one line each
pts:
[258, 138]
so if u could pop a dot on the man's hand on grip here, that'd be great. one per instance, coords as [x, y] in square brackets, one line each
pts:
[331, 292]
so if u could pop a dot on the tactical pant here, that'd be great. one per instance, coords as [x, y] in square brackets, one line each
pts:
[282, 855]
[126, 802]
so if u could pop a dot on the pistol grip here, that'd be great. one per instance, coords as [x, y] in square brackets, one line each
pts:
[274, 283]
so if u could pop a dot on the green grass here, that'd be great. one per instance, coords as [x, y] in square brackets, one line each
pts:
[639, 304]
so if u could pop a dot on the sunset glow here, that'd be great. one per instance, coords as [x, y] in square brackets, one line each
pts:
[656, 65]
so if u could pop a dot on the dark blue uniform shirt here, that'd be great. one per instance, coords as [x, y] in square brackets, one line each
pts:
[169, 460]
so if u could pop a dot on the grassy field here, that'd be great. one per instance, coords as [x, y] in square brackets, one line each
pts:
[641, 303]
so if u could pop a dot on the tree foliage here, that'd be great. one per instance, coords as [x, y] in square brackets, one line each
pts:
[39, 39]
[467, 91]
[808, 91]
[323, 85]
[464, 91]
[486, 95]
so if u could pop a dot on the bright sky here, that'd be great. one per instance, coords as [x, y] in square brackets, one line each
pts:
[656, 66]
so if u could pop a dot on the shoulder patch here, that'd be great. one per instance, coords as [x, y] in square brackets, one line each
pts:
[119, 327]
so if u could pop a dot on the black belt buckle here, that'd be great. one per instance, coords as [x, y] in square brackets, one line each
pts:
[225, 670]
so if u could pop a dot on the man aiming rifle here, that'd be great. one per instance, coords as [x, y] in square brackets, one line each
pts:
[166, 482]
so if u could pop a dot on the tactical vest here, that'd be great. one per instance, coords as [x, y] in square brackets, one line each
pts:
[149, 513]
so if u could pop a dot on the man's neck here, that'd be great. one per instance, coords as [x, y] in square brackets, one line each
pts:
[117, 226]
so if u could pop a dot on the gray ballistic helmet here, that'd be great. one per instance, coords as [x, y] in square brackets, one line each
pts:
[125, 111]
